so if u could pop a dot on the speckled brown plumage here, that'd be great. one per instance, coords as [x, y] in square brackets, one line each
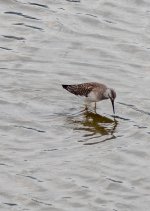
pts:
[85, 88]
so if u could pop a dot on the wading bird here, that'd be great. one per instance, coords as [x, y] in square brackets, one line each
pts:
[93, 92]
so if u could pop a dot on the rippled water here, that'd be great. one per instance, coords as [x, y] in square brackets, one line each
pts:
[53, 155]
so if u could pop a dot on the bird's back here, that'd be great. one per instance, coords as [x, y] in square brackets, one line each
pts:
[85, 89]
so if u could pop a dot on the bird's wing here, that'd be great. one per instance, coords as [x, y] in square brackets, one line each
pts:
[80, 89]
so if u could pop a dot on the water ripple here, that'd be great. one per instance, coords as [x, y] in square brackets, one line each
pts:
[39, 5]
[13, 37]
[30, 26]
[21, 14]
[135, 108]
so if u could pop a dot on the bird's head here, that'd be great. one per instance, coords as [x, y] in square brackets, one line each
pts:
[111, 95]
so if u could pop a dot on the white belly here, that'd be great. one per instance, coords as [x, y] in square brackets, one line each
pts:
[92, 97]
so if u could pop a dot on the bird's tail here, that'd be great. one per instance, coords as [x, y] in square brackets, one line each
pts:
[65, 86]
[77, 89]
[71, 88]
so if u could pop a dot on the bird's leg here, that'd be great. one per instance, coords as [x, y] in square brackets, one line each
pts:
[95, 106]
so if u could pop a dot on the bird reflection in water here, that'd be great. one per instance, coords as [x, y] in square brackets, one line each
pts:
[97, 128]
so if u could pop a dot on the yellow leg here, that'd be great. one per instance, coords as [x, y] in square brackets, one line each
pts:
[95, 106]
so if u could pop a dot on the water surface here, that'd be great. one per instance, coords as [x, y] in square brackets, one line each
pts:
[55, 156]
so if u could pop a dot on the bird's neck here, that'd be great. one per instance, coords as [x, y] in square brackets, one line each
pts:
[107, 93]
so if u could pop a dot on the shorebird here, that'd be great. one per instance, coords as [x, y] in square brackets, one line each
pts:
[93, 92]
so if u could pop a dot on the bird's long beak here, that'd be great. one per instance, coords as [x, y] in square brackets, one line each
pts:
[112, 101]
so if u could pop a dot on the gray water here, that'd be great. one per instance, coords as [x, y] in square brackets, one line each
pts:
[53, 155]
